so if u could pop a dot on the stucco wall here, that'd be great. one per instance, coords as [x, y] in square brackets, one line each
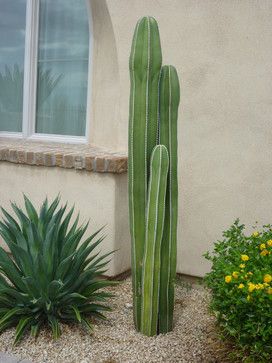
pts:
[222, 51]
[96, 196]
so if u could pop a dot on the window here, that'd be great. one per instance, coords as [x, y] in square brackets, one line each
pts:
[44, 62]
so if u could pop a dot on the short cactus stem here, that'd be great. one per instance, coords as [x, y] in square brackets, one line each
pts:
[154, 232]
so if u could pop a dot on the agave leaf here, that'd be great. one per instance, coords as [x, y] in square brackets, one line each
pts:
[96, 262]
[94, 286]
[22, 258]
[35, 240]
[54, 289]
[77, 313]
[86, 323]
[7, 324]
[31, 211]
[21, 328]
[20, 297]
[10, 219]
[73, 229]
[64, 266]
[9, 315]
[35, 329]
[83, 253]
[72, 242]
[22, 217]
[53, 321]
[32, 286]
[6, 301]
[10, 270]
[65, 223]
[74, 297]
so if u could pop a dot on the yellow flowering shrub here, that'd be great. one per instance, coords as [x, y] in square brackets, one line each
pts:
[241, 284]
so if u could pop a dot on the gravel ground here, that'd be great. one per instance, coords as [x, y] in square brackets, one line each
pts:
[194, 338]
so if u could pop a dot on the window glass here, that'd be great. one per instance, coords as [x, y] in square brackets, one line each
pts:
[63, 53]
[12, 45]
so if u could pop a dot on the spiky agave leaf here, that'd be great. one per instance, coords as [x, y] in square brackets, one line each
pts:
[51, 275]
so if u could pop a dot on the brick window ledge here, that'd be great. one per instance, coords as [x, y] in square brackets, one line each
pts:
[70, 156]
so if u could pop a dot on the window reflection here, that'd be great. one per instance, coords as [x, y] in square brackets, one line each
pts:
[63, 54]
[12, 43]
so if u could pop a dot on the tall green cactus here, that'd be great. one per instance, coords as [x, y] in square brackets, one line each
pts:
[154, 98]
[145, 65]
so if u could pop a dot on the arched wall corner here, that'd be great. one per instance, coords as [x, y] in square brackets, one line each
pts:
[105, 83]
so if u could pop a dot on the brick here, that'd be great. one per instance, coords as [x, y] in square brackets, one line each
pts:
[39, 158]
[59, 159]
[116, 164]
[99, 164]
[30, 158]
[89, 160]
[79, 162]
[13, 156]
[68, 161]
[21, 156]
[49, 159]
[4, 154]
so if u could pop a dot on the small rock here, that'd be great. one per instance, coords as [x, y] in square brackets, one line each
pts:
[128, 305]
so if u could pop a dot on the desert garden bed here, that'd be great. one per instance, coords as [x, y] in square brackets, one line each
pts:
[194, 339]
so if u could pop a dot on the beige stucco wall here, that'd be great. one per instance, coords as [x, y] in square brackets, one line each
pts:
[222, 51]
[96, 196]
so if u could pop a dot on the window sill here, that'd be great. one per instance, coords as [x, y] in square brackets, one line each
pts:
[69, 156]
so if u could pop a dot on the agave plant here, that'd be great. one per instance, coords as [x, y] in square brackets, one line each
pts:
[49, 277]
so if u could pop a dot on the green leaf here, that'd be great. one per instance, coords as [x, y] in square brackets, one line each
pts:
[9, 315]
[31, 211]
[21, 328]
[77, 313]
[53, 321]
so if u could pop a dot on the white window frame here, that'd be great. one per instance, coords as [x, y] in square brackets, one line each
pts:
[30, 82]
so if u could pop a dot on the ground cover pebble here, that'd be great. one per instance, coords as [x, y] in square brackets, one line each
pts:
[193, 340]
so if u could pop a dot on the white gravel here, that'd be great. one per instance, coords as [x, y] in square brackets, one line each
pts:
[194, 338]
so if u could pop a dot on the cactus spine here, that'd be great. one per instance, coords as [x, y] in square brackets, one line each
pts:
[154, 96]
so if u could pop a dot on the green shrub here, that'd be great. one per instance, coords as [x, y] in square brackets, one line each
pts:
[49, 278]
[241, 285]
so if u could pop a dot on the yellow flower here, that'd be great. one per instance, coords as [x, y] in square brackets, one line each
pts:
[235, 274]
[255, 234]
[250, 273]
[248, 297]
[251, 287]
[269, 243]
[244, 257]
[241, 286]
[228, 279]
[269, 290]
[264, 253]
[242, 265]
[259, 287]
[267, 278]
[262, 246]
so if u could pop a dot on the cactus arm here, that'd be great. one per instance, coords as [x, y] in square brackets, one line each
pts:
[154, 232]
[169, 102]
[145, 65]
